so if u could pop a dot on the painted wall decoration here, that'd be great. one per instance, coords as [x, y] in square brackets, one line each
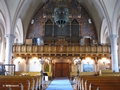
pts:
[76, 12]
[88, 68]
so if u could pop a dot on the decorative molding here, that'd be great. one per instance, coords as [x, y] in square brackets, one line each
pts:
[113, 37]
[104, 10]
[10, 36]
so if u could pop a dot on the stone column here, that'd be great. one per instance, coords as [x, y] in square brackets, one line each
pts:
[114, 54]
[9, 43]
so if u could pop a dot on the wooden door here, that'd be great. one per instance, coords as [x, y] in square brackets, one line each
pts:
[62, 70]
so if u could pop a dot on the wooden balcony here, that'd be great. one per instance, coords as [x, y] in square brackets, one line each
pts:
[61, 49]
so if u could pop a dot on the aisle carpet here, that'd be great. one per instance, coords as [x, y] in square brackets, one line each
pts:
[61, 83]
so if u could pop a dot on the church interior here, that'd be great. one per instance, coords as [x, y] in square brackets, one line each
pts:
[77, 39]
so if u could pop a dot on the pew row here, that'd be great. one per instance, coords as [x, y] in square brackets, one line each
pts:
[90, 82]
[28, 82]
[12, 87]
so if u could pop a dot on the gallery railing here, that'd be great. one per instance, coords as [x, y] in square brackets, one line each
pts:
[67, 49]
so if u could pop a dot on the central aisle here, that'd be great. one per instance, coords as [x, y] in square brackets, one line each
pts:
[61, 83]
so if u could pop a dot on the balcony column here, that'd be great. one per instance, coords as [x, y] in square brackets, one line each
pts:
[41, 71]
[50, 66]
[42, 65]
[9, 43]
[96, 65]
[26, 64]
[114, 54]
[79, 67]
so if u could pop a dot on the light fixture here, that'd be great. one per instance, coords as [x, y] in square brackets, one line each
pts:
[61, 14]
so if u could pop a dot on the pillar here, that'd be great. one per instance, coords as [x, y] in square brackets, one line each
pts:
[96, 65]
[9, 43]
[41, 71]
[26, 64]
[42, 65]
[50, 66]
[114, 54]
[79, 65]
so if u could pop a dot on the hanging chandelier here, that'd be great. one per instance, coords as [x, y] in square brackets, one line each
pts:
[61, 14]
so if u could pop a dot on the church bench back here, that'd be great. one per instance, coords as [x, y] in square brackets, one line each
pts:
[92, 85]
[34, 80]
[85, 79]
[15, 82]
[10, 88]
[106, 88]
[14, 87]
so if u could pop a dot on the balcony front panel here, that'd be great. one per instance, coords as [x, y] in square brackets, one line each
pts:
[59, 49]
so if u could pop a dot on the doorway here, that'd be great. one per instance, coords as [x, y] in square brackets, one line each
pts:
[62, 70]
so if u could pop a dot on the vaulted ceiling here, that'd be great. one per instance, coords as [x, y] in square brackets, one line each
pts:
[26, 9]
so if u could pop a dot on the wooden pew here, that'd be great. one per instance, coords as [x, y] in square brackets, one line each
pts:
[34, 81]
[110, 74]
[33, 74]
[15, 87]
[107, 88]
[14, 83]
[8, 88]
[80, 81]
[103, 84]
[78, 78]
[86, 79]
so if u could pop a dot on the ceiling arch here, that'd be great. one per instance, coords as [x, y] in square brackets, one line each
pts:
[19, 31]
[29, 8]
